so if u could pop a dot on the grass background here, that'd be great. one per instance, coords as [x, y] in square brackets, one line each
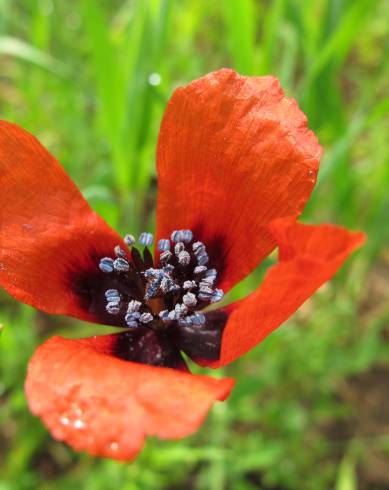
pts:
[91, 79]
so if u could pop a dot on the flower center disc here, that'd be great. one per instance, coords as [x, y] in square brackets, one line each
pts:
[171, 291]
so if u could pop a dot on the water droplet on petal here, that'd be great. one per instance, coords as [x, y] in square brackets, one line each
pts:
[79, 424]
[114, 446]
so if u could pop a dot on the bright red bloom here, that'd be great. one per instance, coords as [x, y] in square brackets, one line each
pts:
[236, 165]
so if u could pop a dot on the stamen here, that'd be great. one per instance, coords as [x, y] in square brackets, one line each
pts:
[146, 318]
[132, 319]
[180, 310]
[164, 315]
[211, 273]
[198, 248]
[200, 269]
[112, 293]
[165, 256]
[189, 299]
[198, 319]
[209, 281]
[205, 293]
[121, 265]
[106, 265]
[203, 259]
[187, 236]
[119, 251]
[129, 240]
[177, 236]
[146, 239]
[168, 285]
[189, 285]
[133, 306]
[179, 247]
[184, 258]
[113, 308]
[163, 245]
[217, 296]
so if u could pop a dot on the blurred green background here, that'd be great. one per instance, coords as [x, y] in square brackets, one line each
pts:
[91, 79]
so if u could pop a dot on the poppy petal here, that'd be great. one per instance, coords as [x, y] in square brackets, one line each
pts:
[308, 257]
[105, 405]
[233, 154]
[50, 239]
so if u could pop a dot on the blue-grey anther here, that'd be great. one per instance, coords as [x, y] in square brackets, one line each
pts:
[146, 239]
[206, 282]
[164, 315]
[112, 293]
[172, 316]
[211, 273]
[187, 236]
[132, 324]
[163, 245]
[165, 256]
[113, 308]
[209, 281]
[198, 248]
[151, 292]
[168, 285]
[180, 311]
[132, 317]
[179, 247]
[200, 269]
[205, 295]
[189, 285]
[119, 251]
[203, 259]
[204, 288]
[217, 296]
[177, 236]
[129, 240]
[146, 318]
[189, 299]
[133, 306]
[121, 265]
[152, 273]
[106, 265]
[183, 258]
[198, 319]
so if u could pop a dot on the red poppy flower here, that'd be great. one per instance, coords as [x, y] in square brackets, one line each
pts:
[236, 165]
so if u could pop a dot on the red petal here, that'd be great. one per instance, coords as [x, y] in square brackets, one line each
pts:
[233, 155]
[107, 406]
[48, 233]
[308, 257]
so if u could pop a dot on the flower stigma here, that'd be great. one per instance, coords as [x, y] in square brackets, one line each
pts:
[172, 290]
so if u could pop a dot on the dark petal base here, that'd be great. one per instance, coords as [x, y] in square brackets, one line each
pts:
[145, 346]
[201, 343]
[164, 348]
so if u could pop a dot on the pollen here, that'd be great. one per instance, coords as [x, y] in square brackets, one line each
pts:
[157, 293]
